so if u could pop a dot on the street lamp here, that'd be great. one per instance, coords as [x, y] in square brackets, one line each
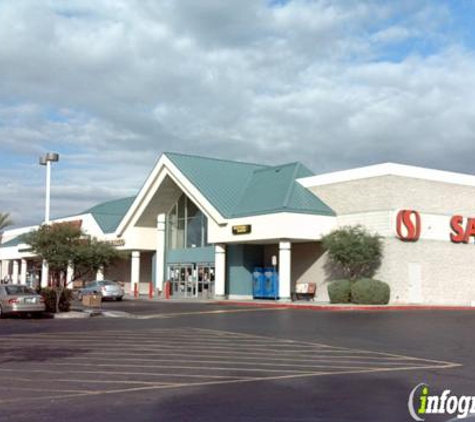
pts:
[46, 160]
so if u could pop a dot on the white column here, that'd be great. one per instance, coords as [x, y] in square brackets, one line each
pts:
[134, 270]
[100, 274]
[23, 271]
[5, 268]
[285, 249]
[160, 252]
[220, 271]
[15, 272]
[70, 274]
[44, 274]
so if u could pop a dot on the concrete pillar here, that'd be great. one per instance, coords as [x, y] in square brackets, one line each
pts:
[100, 274]
[44, 274]
[15, 277]
[220, 271]
[70, 274]
[23, 268]
[5, 268]
[285, 249]
[134, 270]
[160, 252]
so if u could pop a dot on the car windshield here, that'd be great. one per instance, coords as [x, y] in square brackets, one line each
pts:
[107, 283]
[19, 290]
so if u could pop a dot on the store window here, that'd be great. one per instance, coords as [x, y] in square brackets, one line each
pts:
[186, 225]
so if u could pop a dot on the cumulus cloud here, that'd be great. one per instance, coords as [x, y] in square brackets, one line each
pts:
[335, 84]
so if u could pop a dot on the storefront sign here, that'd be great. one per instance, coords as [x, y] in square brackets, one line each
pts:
[242, 229]
[461, 233]
[408, 225]
[116, 242]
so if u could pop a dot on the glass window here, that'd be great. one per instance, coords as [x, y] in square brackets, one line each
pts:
[186, 225]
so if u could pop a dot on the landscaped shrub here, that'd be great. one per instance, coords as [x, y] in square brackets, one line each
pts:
[339, 291]
[367, 291]
[49, 296]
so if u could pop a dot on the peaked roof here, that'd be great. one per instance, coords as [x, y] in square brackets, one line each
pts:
[239, 189]
[109, 214]
[18, 240]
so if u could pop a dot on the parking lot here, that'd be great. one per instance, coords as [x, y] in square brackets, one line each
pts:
[204, 362]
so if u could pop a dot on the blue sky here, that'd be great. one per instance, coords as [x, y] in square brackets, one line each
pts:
[334, 84]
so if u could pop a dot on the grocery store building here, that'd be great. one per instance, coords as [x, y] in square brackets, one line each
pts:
[206, 224]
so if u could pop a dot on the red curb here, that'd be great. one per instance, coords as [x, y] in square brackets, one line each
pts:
[337, 308]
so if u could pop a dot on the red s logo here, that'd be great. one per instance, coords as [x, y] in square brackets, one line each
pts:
[408, 225]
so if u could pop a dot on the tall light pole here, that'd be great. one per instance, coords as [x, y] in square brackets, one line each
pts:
[46, 160]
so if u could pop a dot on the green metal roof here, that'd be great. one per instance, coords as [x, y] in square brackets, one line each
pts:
[222, 182]
[13, 242]
[109, 214]
[239, 189]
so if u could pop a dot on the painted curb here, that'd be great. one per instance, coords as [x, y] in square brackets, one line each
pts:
[350, 308]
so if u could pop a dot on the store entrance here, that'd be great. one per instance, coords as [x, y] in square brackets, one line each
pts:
[191, 280]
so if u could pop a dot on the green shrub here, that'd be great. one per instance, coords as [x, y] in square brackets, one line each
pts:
[49, 296]
[367, 291]
[339, 291]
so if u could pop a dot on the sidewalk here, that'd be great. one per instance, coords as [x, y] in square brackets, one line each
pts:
[312, 305]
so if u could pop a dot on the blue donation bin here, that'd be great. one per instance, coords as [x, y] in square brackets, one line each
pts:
[265, 283]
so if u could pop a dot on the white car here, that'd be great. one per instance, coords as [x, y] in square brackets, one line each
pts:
[108, 289]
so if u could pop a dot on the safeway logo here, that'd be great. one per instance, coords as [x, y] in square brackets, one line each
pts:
[408, 225]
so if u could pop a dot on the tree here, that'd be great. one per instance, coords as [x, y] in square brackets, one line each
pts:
[5, 221]
[65, 244]
[353, 252]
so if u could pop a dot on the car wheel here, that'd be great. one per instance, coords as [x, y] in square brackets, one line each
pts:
[119, 299]
[1, 311]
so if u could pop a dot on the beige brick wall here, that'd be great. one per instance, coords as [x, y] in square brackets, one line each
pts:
[447, 271]
[395, 192]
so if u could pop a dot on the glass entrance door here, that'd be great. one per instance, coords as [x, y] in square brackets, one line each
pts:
[191, 280]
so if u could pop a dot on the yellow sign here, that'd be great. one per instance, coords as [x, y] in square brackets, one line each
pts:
[242, 229]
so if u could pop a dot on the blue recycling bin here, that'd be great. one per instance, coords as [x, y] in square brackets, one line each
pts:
[258, 281]
[271, 283]
[265, 283]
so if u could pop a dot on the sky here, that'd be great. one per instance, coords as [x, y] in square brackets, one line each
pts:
[334, 84]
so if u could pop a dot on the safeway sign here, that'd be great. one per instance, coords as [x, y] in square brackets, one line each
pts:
[409, 227]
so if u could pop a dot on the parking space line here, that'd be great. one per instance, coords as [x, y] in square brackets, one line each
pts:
[46, 371]
[293, 364]
[236, 357]
[274, 378]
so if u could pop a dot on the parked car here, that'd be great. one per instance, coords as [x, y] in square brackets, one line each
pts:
[107, 288]
[19, 298]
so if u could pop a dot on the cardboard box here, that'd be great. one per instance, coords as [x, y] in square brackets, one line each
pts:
[92, 301]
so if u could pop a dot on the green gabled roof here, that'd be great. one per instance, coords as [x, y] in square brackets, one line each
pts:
[109, 214]
[13, 242]
[242, 189]
[222, 182]
[275, 189]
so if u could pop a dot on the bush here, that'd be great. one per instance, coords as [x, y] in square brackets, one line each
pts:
[367, 291]
[339, 291]
[353, 252]
[49, 296]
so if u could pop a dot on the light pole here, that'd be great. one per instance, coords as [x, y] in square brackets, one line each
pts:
[46, 160]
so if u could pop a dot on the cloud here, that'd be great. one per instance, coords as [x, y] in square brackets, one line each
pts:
[112, 84]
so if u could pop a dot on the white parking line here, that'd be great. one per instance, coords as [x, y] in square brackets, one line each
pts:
[201, 357]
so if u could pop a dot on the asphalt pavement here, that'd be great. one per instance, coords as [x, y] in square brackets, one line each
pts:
[205, 362]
